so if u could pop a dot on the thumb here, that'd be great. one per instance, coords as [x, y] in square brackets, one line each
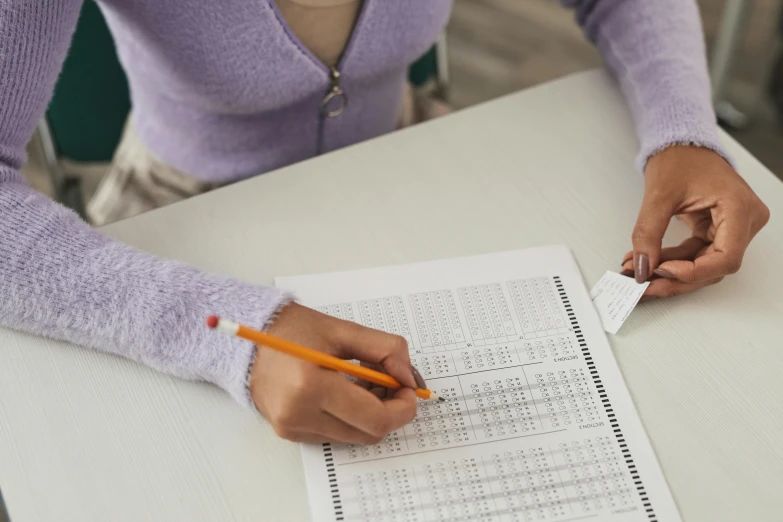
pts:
[651, 225]
[377, 347]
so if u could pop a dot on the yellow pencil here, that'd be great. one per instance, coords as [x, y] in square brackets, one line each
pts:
[313, 356]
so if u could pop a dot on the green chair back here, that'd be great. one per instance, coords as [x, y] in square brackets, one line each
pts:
[91, 101]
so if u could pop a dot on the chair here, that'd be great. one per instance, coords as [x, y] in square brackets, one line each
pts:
[91, 101]
[87, 112]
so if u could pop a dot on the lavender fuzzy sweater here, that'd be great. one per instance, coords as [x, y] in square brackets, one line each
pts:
[222, 90]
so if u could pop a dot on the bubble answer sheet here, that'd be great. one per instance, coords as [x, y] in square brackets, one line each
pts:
[537, 424]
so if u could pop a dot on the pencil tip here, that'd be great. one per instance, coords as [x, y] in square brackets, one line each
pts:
[441, 399]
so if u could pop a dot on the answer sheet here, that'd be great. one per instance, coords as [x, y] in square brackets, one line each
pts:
[537, 424]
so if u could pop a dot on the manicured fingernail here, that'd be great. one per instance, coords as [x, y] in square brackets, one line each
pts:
[660, 272]
[419, 379]
[642, 268]
[627, 273]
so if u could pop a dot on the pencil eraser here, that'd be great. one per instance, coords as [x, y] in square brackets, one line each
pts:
[212, 321]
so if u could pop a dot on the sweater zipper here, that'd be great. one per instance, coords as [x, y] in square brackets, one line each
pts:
[335, 95]
[333, 104]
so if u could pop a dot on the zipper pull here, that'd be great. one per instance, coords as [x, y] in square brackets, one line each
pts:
[335, 92]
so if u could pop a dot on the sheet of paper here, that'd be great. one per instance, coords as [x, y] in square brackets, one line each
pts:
[614, 297]
[538, 423]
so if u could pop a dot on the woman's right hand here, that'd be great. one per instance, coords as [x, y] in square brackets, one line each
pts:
[306, 403]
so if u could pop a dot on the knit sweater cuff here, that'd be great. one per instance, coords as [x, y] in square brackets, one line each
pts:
[679, 122]
[62, 279]
[228, 361]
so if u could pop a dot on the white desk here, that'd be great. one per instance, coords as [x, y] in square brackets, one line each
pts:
[90, 437]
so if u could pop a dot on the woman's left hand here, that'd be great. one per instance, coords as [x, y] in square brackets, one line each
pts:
[724, 214]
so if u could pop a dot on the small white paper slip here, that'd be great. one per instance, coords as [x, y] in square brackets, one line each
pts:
[615, 296]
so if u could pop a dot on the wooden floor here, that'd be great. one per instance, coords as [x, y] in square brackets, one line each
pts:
[500, 46]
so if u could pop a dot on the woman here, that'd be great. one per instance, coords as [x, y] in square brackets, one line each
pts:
[226, 90]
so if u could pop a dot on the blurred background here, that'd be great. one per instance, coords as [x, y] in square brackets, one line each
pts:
[491, 48]
[500, 46]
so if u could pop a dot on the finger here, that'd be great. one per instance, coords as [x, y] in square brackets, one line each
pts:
[307, 437]
[372, 366]
[654, 216]
[670, 288]
[367, 385]
[332, 428]
[381, 393]
[721, 258]
[364, 411]
[761, 219]
[373, 346]
[686, 250]
[420, 382]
